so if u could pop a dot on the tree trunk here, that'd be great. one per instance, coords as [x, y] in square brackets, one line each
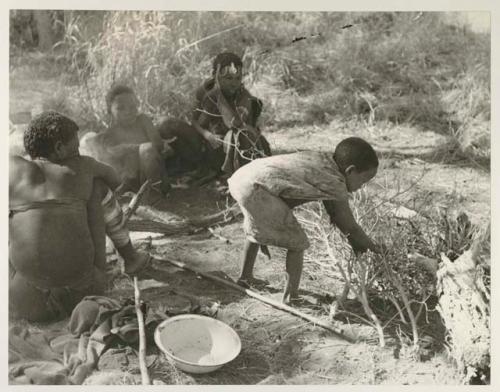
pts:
[464, 305]
[44, 28]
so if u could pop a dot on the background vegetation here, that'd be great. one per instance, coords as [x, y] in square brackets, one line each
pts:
[387, 73]
[412, 68]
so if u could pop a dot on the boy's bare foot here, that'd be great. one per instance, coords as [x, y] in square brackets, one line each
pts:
[134, 260]
[141, 262]
[165, 187]
[298, 301]
[252, 282]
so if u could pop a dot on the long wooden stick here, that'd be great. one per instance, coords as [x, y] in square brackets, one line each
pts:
[134, 203]
[186, 226]
[337, 331]
[142, 335]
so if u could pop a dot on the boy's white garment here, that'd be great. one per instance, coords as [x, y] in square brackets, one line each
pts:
[260, 187]
[307, 175]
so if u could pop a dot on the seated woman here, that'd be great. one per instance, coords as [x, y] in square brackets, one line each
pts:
[226, 117]
[131, 144]
[56, 222]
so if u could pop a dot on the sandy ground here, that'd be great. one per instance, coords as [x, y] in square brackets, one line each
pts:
[278, 348]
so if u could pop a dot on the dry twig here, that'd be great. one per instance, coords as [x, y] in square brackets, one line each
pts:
[142, 335]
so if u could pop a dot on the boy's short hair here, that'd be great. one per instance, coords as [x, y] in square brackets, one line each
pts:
[224, 59]
[355, 151]
[116, 90]
[45, 130]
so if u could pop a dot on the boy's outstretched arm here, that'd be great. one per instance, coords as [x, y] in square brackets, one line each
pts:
[341, 215]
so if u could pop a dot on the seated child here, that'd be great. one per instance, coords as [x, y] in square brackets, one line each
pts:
[267, 190]
[56, 226]
[226, 116]
[187, 145]
[131, 144]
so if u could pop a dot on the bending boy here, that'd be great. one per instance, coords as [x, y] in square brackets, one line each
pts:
[268, 189]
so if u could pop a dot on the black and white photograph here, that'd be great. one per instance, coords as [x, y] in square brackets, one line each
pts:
[244, 197]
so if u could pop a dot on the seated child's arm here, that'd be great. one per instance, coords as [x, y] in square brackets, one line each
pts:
[202, 125]
[152, 133]
[95, 219]
[105, 172]
[199, 119]
[341, 215]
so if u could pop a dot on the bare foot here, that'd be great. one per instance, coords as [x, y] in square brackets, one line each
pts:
[295, 301]
[252, 282]
[140, 262]
[165, 187]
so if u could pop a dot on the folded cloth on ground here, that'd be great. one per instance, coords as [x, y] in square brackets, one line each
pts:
[69, 356]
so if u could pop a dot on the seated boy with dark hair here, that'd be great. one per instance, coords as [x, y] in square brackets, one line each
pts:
[131, 144]
[226, 117]
[56, 226]
[267, 190]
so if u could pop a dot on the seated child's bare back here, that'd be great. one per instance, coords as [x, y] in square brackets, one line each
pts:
[50, 239]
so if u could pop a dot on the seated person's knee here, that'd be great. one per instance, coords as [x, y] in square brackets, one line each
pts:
[148, 153]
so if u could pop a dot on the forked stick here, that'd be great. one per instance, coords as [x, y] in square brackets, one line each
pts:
[134, 203]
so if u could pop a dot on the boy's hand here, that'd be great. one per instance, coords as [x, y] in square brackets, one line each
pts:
[213, 140]
[380, 248]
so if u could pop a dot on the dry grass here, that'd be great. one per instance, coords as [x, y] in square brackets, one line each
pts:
[400, 67]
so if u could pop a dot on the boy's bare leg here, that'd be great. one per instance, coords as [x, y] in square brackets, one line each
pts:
[294, 263]
[119, 235]
[96, 223]
[249, 256]
[153, 166]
